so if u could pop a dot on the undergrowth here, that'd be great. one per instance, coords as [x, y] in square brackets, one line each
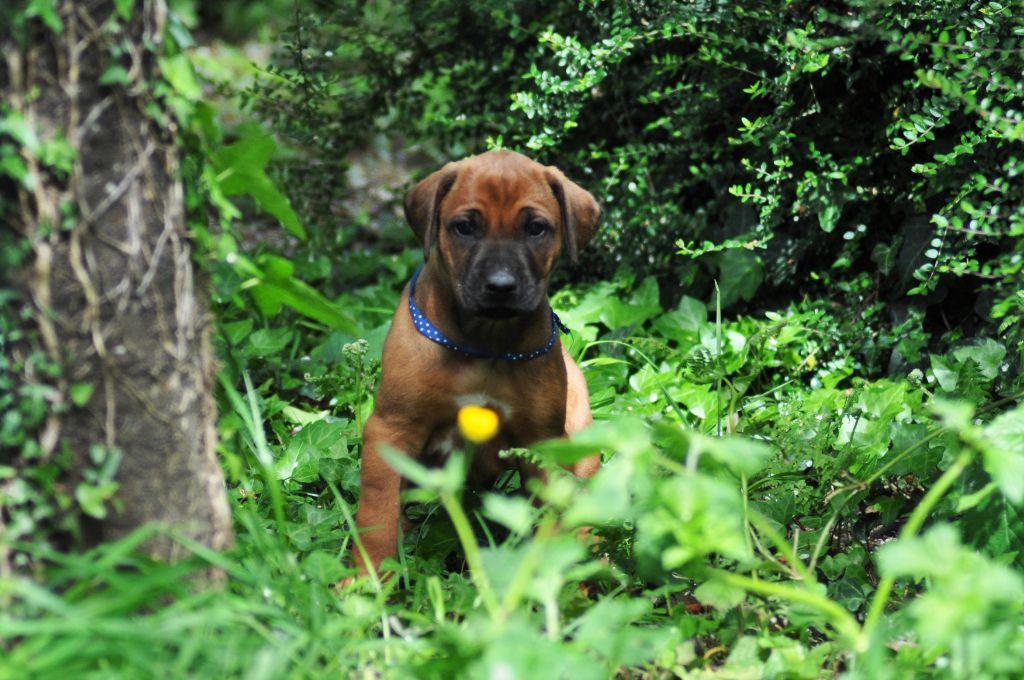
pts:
[816, 484]
[838, 524]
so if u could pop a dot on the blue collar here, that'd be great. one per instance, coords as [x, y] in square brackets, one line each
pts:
[430, 332]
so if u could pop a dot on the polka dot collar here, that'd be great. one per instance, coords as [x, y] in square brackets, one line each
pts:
[430, 332]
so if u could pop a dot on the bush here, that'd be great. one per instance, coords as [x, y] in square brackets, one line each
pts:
[862, 153]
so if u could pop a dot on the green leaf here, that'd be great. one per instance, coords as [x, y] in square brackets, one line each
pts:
[853, 589]
[828, 217]
[115, 75]
[682, 323]
[15, 125]
[996, 527]
[557, 558]
[13, 166]
[1004, 453]
[687, 518]
[944, 372]
[47, 11]
[956, 415]
[241, 170]
[744, 660]
[276, 268]
[627, 436]
[741, 455]
[514, 512]
[124, 8]
[80, 393]
[972, 500]
[606, 499]
[323, 439]
[92, 498]
[739, 275]
[641, 306]
[520, 651]
[609, 630]
[916, 556]
[449, 478]
[237, 331]
[884, 400]
[301, 417]
[270, 295]
[987, 353]
[267, 342]
[719, 595]
[178, 72]
[966, 589]
[323, 567]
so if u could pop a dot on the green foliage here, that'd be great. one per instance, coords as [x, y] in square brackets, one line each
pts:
[790, 511]
[824, 480]
[33, 501]
[829, 143]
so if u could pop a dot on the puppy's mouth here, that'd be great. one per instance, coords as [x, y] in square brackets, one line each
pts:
[500, 312]
[500, 307]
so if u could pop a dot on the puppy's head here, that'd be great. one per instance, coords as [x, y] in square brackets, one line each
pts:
[499, 221]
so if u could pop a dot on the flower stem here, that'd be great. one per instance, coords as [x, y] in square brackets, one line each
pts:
[913, 525]
[469, 545]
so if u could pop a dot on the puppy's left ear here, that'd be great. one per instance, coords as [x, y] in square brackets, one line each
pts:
[581, 214]
[423, 204]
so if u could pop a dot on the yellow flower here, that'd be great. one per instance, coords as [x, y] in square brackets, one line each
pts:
[478, 423]
[811, 361]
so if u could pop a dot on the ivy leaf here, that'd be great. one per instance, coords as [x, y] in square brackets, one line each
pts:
[682, 323]
[80, 393]
[317, 441]
[944, 372]
[641, 306]
[92, 498]
[740, 275]
[987, 354]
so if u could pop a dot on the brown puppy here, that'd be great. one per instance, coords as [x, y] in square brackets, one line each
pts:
[480, 330]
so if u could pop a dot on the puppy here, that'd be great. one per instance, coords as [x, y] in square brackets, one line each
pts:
[474, 326]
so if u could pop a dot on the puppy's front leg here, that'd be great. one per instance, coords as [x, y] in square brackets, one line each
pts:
[577, 413]
[379, 489]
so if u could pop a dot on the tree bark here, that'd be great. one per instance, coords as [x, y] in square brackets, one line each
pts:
[111, 281]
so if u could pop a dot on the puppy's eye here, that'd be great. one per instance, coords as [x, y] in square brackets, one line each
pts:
[536, 227]
[463, 227]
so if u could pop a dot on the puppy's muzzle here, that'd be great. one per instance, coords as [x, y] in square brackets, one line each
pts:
[501, 284]
[501, 292]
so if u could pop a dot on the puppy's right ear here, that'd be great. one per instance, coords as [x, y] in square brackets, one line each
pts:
[423, 204]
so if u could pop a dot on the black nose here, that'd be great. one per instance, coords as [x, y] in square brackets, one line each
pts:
[500, 282]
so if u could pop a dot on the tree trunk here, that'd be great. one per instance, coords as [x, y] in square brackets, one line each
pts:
[111, 280]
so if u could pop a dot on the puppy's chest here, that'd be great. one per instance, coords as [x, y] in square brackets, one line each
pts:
[530, 405]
